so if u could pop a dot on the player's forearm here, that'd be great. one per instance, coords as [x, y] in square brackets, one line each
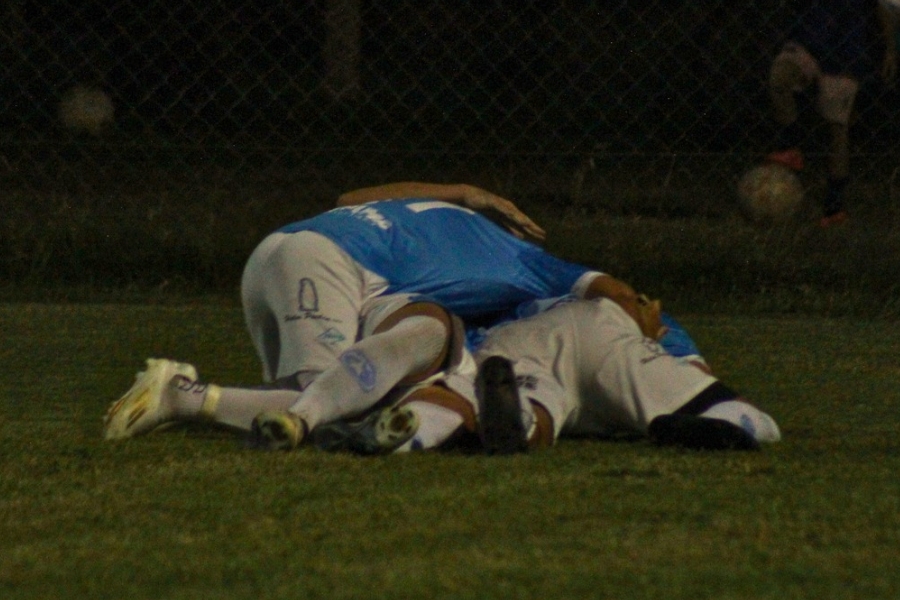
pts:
[455, 193]
[646, 313]
[607, 286]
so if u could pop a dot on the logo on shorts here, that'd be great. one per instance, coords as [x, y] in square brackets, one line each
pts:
[331, 336]
[307, 302]
[361, 368]
[653, 350]
[307, 296]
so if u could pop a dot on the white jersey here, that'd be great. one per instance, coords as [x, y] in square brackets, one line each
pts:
[589, 365]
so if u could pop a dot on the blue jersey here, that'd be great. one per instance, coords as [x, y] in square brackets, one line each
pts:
[449, 253]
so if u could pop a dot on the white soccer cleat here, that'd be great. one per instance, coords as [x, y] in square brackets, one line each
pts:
[141, 409]
[277, 430]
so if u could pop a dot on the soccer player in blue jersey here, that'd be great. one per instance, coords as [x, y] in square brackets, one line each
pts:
[828, 47]
[345, 307]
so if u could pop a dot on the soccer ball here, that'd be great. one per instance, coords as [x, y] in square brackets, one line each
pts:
[769, 192]
[84, 109]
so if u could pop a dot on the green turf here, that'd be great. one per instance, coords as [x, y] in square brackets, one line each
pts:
[193, 514]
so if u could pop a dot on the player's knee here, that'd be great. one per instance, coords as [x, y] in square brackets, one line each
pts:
[427, 331]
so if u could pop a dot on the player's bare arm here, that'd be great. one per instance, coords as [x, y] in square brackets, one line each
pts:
[470, 196]
[645, 312]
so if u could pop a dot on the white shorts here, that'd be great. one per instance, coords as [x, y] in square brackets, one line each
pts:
[589, 365]
[836, 94]
[306, 301]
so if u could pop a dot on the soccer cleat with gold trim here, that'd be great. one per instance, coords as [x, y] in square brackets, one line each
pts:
[141, 409]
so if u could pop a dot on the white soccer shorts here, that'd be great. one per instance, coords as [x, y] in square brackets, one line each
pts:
[589, 365]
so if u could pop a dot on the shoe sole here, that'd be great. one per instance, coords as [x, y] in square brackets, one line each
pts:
[378, 433]
[500, 425]
[276, 431]
[394, 427]
[124, 417]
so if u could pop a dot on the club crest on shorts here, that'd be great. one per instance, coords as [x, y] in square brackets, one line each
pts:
[362, 369]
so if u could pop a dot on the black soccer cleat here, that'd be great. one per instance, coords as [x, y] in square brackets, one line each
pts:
[700, 433]
[500, 425]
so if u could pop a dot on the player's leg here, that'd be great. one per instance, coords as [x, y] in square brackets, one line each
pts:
[716, 419]
[169, 391]
[301, 299]
[431, 417]
[409, 343]
[638, 386]
[527, 381]
[433, 413]
[837, 95]
[792, 71]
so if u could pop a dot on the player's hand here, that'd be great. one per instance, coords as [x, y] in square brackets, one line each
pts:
[517, 222]
[649, 317]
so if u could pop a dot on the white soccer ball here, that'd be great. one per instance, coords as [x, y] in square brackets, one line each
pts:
[769, 192]
[85, 109]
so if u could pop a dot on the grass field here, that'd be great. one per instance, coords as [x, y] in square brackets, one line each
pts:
[193, 514]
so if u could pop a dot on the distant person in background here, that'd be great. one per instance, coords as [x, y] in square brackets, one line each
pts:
[828, 46]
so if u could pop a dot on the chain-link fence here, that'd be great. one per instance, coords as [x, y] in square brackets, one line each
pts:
[619, 105]
[363, 86]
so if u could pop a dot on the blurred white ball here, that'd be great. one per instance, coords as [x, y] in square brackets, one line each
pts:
[85, 109]
[769, 192]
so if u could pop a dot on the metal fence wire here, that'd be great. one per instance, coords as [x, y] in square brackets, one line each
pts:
[544, 97]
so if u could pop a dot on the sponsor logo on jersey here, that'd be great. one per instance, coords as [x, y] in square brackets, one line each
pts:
[370, 215]
[361, 368]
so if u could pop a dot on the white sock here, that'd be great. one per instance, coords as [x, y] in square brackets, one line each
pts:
[436, 424]
[748, 417]
[233, 407]
[370, 368]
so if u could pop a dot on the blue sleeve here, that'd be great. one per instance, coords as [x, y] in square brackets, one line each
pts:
[676, 341]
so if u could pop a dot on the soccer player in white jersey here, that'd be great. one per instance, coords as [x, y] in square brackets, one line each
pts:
[583, 368]
[344, 307]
